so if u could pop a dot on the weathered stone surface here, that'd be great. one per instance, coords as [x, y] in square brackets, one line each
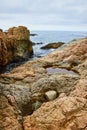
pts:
[82, 68]
[51, 95]
[19, 33]
[69, 55]
[3, 53]
[22, 95]
[80, 88]
[15, 45]
[56, 82]
[67, 113]
[28, 84]
[52, 45]
[9, 115]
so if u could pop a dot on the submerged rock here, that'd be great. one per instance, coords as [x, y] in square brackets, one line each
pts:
[52, 45]
[33, 34]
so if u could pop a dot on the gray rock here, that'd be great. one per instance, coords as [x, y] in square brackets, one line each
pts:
[60, 83]
[36, 105]
[22, 96]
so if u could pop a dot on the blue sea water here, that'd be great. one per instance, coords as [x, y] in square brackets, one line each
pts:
[46, 37]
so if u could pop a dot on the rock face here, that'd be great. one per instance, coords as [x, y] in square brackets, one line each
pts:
[67, 113]
[15, 45]
[52, 45]
[33, 84]
[19, 33]
[3, 53]
[9, 116]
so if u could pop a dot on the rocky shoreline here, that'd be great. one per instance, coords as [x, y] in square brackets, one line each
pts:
[34, 99]
[15, 45]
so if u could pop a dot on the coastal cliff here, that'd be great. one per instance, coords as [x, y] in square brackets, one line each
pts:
[48, 93]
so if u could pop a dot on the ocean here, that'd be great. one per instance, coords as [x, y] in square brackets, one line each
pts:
[46, 37]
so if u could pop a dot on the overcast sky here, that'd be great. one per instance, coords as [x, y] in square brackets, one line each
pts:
[44, 14]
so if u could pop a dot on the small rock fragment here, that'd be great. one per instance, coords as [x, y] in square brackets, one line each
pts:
[50, 95]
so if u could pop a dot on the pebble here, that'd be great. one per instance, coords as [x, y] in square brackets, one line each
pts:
[50, 95]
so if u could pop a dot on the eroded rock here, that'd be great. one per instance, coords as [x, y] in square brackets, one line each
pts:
[22, 95]
[70, 55]
[10, 118]
[67, 113]
[29, 83]
[56, 82]
[15, 45]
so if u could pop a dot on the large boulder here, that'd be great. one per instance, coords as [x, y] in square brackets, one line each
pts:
[15, 45]
[58, 82]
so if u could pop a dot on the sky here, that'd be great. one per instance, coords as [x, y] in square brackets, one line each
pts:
[70, 15]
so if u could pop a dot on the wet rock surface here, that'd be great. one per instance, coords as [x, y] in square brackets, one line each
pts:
[32, 86]
[52, 45]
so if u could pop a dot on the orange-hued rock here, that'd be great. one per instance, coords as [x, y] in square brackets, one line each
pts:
[15, 45]
[20, 33]
[67, 113]
[82, 68]
[64, 72]
[9, 116]
[80, 88]
[69, 55]
[3, 53]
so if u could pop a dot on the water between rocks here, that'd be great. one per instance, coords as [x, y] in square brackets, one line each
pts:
[60, 70]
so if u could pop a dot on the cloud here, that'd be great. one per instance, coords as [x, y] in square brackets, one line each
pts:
[43, 12]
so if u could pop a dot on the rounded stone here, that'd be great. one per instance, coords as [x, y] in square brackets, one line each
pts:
[50, 95]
